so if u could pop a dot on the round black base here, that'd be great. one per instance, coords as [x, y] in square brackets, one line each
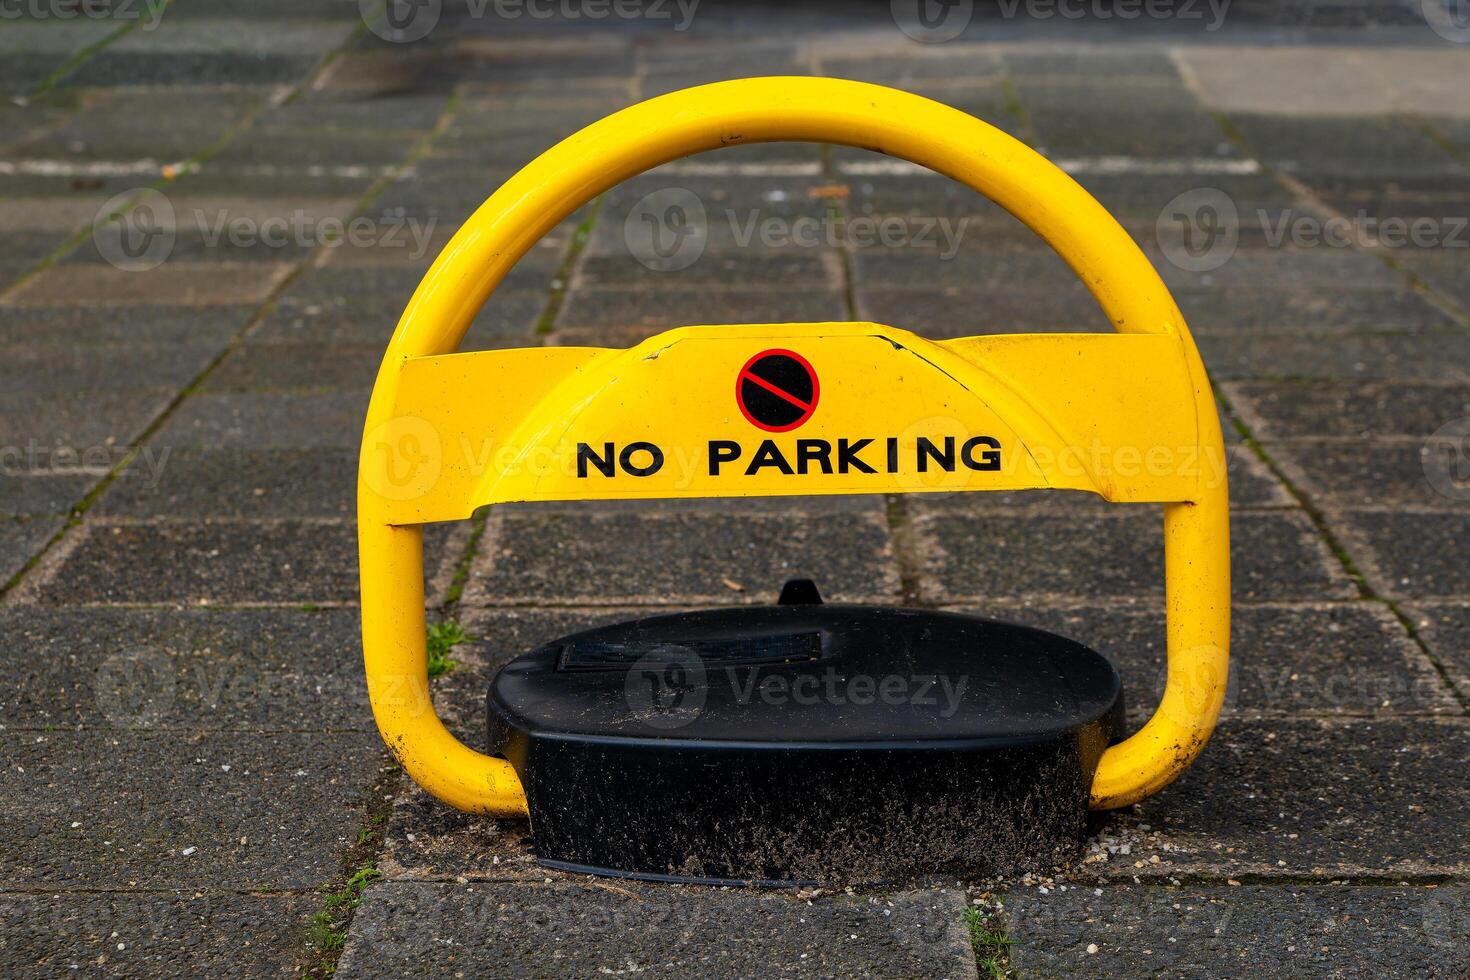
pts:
[806, 744]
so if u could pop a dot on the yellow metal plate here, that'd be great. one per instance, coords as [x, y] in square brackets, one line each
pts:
[694, 412]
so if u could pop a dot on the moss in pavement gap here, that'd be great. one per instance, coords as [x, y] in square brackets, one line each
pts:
[1017, 109]
[326, 930]
[327, 926]
[466, 561]
[992, 946]
[562, 281]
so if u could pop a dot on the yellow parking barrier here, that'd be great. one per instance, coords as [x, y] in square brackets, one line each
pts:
[1129, 417]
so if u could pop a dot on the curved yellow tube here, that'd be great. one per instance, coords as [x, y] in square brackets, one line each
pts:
[756, 110]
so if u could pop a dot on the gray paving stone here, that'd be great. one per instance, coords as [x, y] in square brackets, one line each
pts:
[950, 311]
[1088, 62]
[27, 249]
[257, 421]
[218, 670]
[448, 200]
[261, 811]
[1321, 659]
[509, 319]
[235, 33]
[1422, 357]
[122, 325]
[610, 559]
[52, 35]
[818, 268]
[43, 203]
[160, 124]
[77, 422]
[1252, 484]
[588, 310]
[463, 152]
[54, 368]
[170, 284]
[1135, 198]
[386, 114]
[1155, 130]
[734, 215]
[1319, 85]
[141, 68]
[1443, 270]
[384, 67]
[1060, 93]
[1445, 629]
[205, 562]
[219, 178]
[296, 367]
[994, 271]
[192, 244]
[1430, 224]
[1347, 411]
[285, 12]
[730, 201]
[1251, 268]
[24, 71]
[208, 563]
[481, 119]
[934, 209]
[1380, 197]
[1409, 554]
[232, 482]
[1287, 309]
[272, 144]
[1116, 552]
[369, 318]
[1342, 146]
[1365, 474]
[47, 491]
[1201, 931]
[23, 537]
[905, 72]
[21, 121]
[490, 66]
[1363, 798]
[152, 934]
[12, 269]
[394, 245]
[509, 929]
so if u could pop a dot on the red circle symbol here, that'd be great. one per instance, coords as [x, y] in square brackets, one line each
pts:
[777, 390]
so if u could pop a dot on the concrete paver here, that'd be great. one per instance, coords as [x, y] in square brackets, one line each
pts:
[1219, 930]
[584, 930]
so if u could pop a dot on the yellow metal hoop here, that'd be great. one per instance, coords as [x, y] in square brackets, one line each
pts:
[1125, 284]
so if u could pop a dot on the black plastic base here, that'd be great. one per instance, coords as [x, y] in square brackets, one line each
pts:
[806, 744]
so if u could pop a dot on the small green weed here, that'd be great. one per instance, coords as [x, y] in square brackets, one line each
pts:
[327, 927]
[443, 637]
[992, 945]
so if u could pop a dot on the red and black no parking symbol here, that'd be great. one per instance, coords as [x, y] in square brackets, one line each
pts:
[777, 390]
